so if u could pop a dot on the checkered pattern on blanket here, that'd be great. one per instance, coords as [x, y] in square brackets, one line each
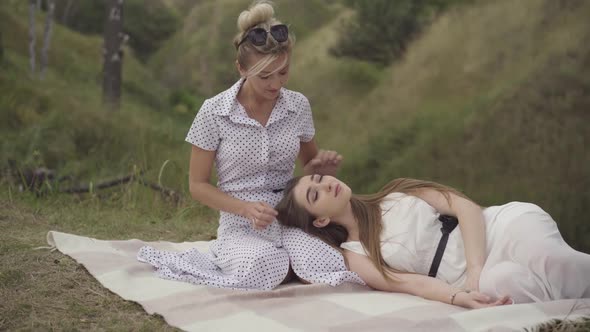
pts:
[291, 307]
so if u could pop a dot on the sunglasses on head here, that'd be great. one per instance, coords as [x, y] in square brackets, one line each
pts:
[258, 36]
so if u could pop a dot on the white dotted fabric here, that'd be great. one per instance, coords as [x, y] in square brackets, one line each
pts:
[251, 161]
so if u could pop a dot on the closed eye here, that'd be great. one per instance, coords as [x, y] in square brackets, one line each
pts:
[316, 193]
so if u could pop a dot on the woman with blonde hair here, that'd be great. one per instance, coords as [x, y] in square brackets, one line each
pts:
[253, 133]
[403, 239]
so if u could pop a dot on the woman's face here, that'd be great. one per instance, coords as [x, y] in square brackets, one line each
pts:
[271, 79]
[322, 195]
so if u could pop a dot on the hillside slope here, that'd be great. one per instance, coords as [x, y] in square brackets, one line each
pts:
[60, 123]
[493, 99]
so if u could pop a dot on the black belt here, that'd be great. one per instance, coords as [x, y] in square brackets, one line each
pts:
[448, 224]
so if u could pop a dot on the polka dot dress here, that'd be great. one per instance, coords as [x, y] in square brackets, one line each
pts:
[253, 163]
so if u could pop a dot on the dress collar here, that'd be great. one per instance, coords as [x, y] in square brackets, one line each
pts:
[229, 98]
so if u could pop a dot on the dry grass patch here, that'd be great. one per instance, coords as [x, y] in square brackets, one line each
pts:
[46, 290]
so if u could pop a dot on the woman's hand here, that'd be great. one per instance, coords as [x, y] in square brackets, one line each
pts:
[325, 162]
[477, 300]
[260, 213]
[472, 281]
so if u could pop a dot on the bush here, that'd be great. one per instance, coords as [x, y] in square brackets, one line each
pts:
[148, 23]
[185, 101]
[382, 29]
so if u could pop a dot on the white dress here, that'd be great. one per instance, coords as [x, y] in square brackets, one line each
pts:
[526, 256]
[253, 162]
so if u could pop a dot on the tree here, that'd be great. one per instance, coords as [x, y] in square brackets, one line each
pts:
[47, 36]
[66, 13]
[145, 35]
[382, 29]
[113, 54]
[32, 36]
[1, 49]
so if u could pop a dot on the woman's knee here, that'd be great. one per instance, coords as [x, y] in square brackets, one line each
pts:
[310, 254]
[270, 264]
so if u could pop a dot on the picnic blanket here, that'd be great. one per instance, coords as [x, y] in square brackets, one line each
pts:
[290, 307]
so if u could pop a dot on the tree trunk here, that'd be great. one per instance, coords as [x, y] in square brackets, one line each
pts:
[64, 19]
[47, 36]
[32, 35]
[207, 78]
[1, 49]
[113, 54]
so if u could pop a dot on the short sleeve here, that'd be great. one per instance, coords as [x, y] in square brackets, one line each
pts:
[204, 132]
[354, 246]
[306, 127]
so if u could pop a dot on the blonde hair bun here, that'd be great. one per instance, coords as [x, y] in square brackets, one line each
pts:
[259, 12]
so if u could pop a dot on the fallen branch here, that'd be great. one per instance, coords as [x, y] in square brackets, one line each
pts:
[102, 185]
[174, 195]
[165, 191]
[40, 180]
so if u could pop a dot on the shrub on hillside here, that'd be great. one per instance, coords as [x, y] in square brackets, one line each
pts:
[185, 100]
[148, 23]
[381, 29]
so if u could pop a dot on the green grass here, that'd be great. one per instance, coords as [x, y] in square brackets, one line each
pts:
[61, 124]
[492, 99]
[43, 290]
[496, 112]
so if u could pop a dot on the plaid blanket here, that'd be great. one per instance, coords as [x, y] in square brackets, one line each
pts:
[291, 307]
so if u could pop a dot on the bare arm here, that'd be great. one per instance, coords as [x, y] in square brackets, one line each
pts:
[416, 284]
[471, 223]
[203, 191]
[307, 150]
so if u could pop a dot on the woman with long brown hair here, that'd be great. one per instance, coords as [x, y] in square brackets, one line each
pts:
[403, 239]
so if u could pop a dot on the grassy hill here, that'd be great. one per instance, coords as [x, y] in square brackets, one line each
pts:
[61, 120]
[490, 99]
[60, 123]
[493, 99]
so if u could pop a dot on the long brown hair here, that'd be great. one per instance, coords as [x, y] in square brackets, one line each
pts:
[366, 209]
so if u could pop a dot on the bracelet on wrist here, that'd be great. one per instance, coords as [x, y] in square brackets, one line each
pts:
[457, 292]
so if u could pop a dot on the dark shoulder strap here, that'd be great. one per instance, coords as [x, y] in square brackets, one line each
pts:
[448, 225]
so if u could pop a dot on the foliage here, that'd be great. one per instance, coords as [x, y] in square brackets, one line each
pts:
[496, 112]
[382, 29]
[148, 23]
[60, 123]
[185, 101]
[201, 57]
[491, 99]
